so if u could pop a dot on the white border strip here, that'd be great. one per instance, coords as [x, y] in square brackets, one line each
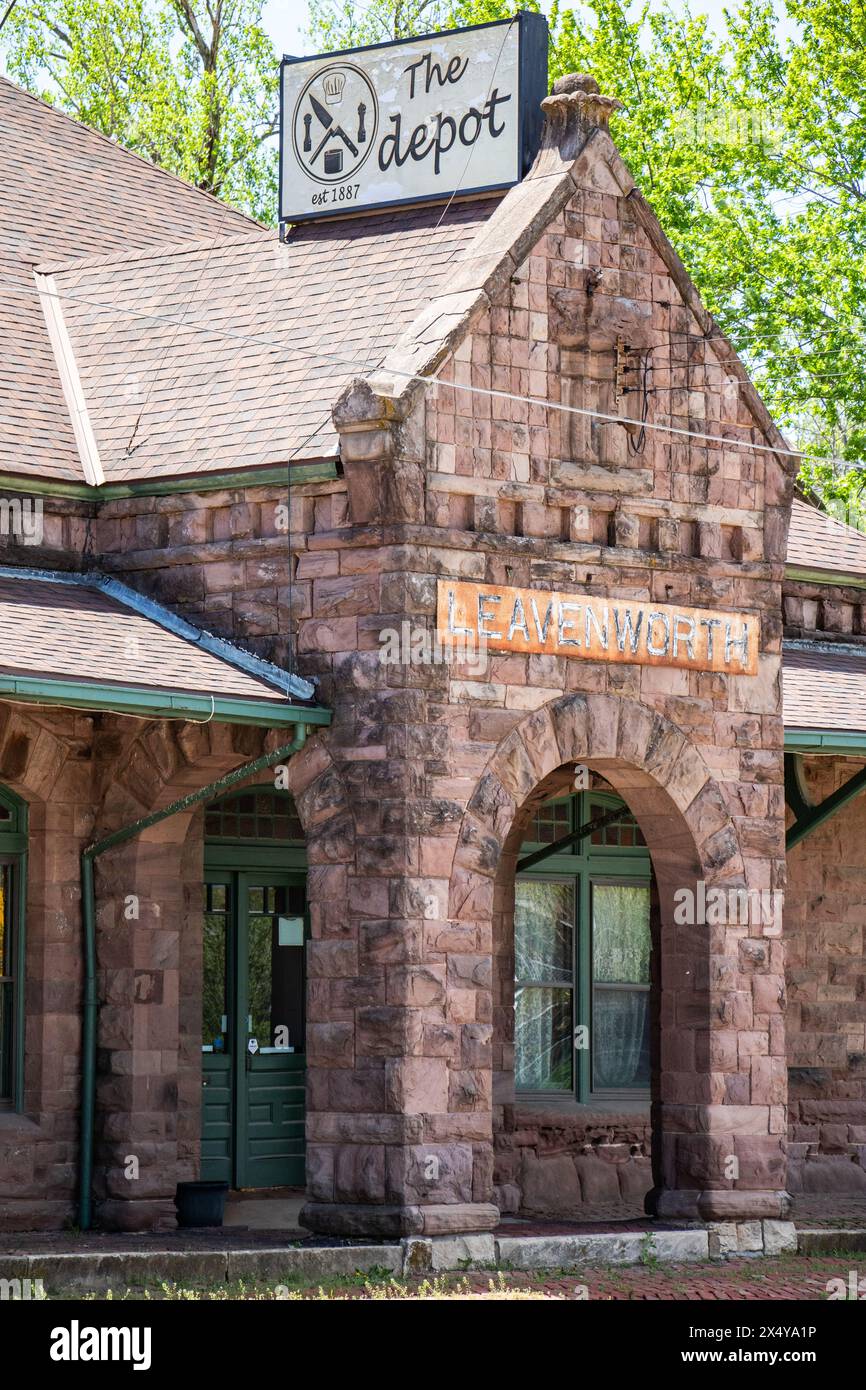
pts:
[69, 379]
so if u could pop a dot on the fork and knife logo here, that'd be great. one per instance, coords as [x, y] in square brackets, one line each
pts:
[332, 144]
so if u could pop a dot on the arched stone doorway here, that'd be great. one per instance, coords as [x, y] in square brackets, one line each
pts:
[718, 1098]
[574, 1028]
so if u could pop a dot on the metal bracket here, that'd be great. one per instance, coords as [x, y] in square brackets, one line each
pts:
[810, 816]
[574, 837]
[796, 792]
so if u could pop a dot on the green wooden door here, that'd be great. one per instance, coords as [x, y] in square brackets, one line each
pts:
[253, 1028]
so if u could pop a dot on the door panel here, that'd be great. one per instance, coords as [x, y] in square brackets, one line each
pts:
[271, 952]
[274, 1150]
[217, 1119]
[254, 989]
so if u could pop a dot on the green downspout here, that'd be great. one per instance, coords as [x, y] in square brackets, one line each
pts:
[88, 910]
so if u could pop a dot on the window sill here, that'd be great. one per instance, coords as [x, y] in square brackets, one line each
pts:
[567, 1105]
[13, 1123]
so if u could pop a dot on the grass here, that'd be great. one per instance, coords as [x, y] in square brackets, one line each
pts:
[358, 1287]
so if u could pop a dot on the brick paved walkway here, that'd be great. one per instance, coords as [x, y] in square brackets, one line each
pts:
[794, 1278]
[797, 1278]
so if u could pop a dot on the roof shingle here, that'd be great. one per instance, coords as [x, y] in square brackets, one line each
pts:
[75, 632]
[817, 541]
[69, 192]
[824, 688]
[251, 341]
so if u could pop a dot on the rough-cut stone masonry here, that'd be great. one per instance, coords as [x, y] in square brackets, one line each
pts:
[825, 932]
[499, 493]
[830, 612]
[415, 801]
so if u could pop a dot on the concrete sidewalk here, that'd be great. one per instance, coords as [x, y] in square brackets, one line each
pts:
[111, 1266]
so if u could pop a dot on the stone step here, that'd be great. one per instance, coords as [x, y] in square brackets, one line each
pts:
[827, 1240]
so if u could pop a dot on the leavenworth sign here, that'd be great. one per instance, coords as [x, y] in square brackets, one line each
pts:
[580, 625]
[413, 121]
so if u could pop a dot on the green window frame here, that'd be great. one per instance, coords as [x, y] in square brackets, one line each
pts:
[13, 890]
[587, 969]
[257, 827]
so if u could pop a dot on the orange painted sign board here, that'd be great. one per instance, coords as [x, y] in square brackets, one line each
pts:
[584, 626]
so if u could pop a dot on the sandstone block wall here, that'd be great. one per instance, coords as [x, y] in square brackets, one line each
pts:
[825, 931]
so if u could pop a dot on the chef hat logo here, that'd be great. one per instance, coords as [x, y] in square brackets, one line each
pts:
[333, 85]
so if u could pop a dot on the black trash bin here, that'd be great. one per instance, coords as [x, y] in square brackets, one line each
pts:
[201, 1203]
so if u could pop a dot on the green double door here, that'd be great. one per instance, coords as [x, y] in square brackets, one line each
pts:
[253, 1028]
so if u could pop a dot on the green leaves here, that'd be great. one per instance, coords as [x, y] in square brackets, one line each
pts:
[192, 86]
[750, 144]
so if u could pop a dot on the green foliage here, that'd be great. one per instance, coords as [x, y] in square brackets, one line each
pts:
[190, 85]
[750, 145]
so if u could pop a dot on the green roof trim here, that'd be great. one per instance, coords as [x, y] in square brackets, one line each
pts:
[842, 579]
[291, 474]
[825, 740]
[157, 703]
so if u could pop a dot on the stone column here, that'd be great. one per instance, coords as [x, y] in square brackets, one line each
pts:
[140, 914]
[398, 1039]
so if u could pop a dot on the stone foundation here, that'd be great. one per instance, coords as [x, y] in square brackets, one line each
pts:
[553, 1161]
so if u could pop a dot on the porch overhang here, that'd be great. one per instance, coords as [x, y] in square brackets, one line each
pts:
[824, 698]
[155, 703]
[89, 642]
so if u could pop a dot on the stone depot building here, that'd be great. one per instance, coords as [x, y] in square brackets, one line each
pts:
[437, 937]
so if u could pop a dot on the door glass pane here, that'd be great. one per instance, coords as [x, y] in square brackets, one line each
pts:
[543, 932]
[620, 997]
[543, 1046]
[620, 933]
[620, 1039]
[7, 984]
[215, 974]
[276, 971]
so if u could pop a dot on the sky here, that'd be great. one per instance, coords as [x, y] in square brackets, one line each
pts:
[285, 20]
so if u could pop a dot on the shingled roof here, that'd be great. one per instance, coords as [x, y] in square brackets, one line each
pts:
[209, 357]
[824, 686]
[818, 542]
[89, 641]
[68, 192]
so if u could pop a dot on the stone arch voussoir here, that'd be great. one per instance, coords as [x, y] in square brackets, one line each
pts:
[650, 762]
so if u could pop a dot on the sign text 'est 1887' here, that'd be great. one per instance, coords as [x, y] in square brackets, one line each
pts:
[411, 121]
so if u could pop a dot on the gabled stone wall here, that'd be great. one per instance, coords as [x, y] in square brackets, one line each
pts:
[442, 483]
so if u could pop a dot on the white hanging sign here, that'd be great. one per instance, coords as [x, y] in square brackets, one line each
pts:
[411, 121]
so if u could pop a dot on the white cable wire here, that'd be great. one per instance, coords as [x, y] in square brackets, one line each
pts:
[488, 392]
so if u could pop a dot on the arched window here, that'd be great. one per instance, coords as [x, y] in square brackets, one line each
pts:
[13, 852]
[582, 953]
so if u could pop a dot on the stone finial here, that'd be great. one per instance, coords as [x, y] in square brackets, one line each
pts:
[574, 108]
